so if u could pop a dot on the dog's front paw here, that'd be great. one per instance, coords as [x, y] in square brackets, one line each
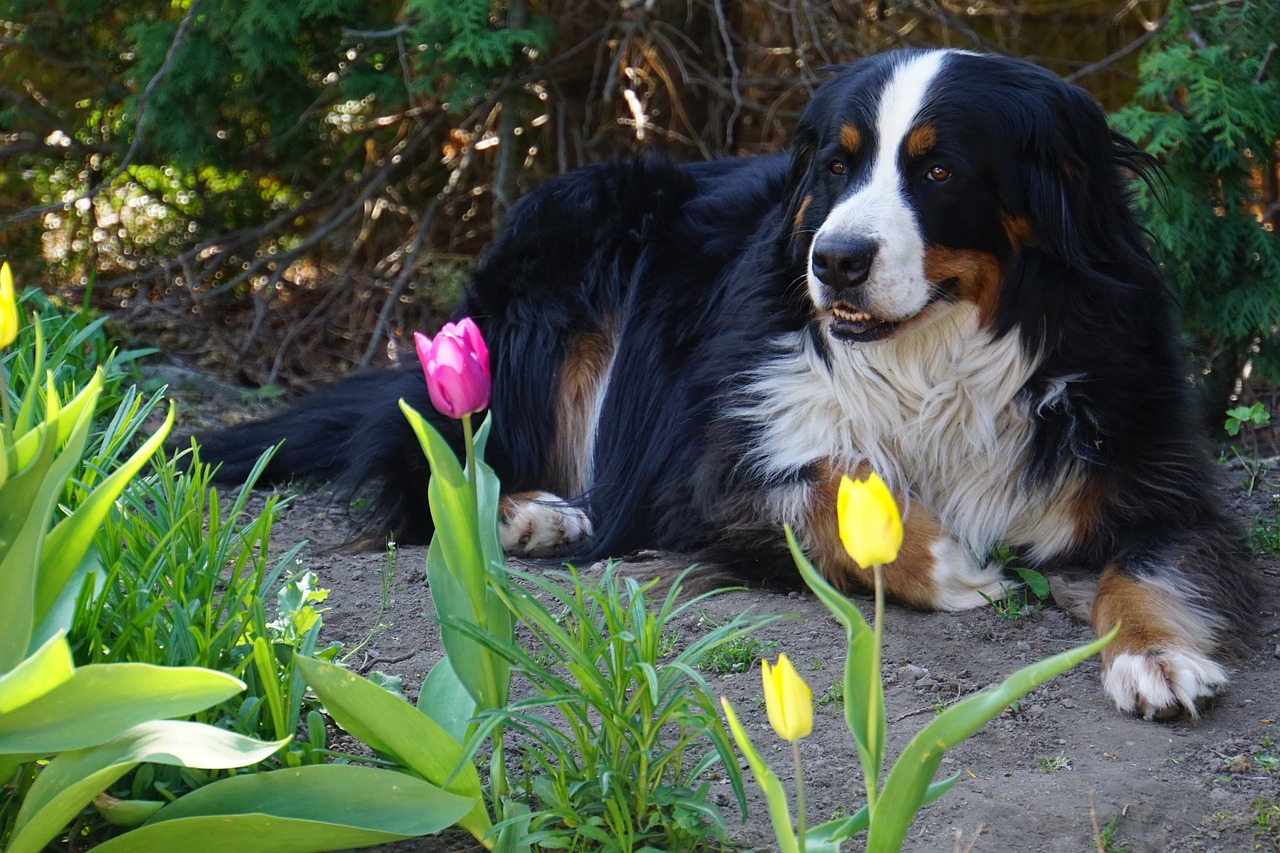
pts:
[1163, 684]
[540, 524]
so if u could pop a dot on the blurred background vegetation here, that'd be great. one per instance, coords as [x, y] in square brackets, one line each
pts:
[278, 192]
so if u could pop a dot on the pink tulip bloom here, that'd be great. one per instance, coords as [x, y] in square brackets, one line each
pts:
[456, 364]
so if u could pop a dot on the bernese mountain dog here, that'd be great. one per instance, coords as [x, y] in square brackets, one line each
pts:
[942, 282]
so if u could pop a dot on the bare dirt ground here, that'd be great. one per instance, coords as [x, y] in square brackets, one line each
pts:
[1035, 779]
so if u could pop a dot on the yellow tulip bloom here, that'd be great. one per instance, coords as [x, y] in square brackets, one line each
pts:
[8, 307]
[787, 699]
[870, 526]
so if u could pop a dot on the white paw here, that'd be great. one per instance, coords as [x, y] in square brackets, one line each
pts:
[960, 582]
[539, 524]
[1163, 684]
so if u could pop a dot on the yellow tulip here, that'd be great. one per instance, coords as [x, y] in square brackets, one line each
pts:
[870, 526]
[8, 307]
[787, 699]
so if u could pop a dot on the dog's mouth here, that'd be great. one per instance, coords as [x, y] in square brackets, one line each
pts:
[850, 323]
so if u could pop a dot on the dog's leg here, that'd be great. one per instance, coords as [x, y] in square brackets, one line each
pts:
[540, 524]
[1183, 603]
[1159, 665]
[933, 571]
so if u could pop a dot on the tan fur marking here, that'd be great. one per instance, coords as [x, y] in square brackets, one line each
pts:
[581, 380]
[1086, 508]
[909, 580]
[1151, 617]
[978, 274]
[850, 138]
[798, 222]
[921, 138]
[1018, 230]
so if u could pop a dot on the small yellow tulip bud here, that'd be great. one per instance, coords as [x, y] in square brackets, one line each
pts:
[787, 699]
[870, 526]
[8, 307]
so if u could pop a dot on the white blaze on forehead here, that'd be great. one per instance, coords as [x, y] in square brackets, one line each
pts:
[877, 210]
[900, 104]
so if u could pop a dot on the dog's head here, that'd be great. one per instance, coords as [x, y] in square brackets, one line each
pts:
[925, 179]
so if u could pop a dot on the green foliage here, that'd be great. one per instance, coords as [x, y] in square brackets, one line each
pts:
[72, 345]
[145, 582]
[893, 798]
[621, 736]
[188, 582]
[1238, 416]
[1209, 109]
[467, 43]
[229, 133]
[736, 655]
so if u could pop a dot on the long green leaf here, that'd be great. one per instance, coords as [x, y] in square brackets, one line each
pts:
[299, 810]
[827, 837]
[38, 487]
[444, 698]
[864, 690]
[909, 779]
[38, 674]
[101, 701]
[393, 727]
[74, 778]
[775, 796]
[486, 675]
[67, 543]
[453, 509]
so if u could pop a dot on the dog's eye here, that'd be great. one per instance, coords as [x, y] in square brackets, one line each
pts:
[938, 174]
[837, 167]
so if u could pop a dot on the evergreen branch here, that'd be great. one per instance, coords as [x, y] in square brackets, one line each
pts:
[132, 151]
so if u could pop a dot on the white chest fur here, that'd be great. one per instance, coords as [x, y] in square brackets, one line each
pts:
[936, 411]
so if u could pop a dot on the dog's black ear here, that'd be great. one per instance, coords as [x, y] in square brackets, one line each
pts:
[1077, 196]
[797, 195]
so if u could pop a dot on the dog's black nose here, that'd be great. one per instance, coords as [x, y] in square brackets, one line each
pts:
[841, 262]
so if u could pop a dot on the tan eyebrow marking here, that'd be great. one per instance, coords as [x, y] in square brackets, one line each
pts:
[921, 139]
[850, 137]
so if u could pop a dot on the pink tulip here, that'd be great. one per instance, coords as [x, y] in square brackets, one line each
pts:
[456, 364]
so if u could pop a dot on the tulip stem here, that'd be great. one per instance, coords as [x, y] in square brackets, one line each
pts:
[469, 447]
[4, 396]
[877, 644]
[795, 752]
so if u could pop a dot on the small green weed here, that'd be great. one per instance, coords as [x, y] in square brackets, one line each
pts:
[1107, 837]
[1264, 536]
[1052, 764]
[1257, 415]
[833, 695]
[736, 655]
[388, 577]
[1024, 600]
[1266, 821]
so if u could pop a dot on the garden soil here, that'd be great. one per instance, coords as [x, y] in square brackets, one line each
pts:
[1040, 777]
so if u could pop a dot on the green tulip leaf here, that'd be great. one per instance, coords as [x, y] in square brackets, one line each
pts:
[444, 698]
[863, 689]
[101, 701]
[307, 809]
[909, 779]
[775, 796]
[66, 544]
[393, 727]
[26, 504]
[74, 778]
[453, 509]
[485, 674]
[827, 837]
[42, 671]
